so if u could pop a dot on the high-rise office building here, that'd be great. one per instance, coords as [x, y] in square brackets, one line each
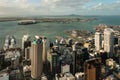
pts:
[92, 69]
[26, 42]
[44, 57]
[98, 41]
[12, 42]
[36, 58]
[27, 53]
[109, 41]
[53, 60]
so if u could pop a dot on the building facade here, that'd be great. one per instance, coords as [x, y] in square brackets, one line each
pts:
[26, 42]
[92, 69]
[36, 59]
[44, 57]
[98, 41]
[109, 41]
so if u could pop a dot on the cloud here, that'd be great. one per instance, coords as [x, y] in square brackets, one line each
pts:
[45, 7]
[64, 6]
[98, 6]
[64, 3]
[21, 3]
[16, 8]
[105, 6]
[53, 7]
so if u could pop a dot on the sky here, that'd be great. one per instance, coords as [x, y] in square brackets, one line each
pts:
[59, 7]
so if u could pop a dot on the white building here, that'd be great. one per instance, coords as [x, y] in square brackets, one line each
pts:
[66, 76]
[98, 41]
[110, 62]
[69, 76]
[4, 76]
[44, 78]
[109, 41]
[79, 76]
[25, 38]
[60, 77]
[65, 68]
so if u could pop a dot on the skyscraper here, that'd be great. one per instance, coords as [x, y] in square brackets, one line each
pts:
[98, 41]
[12, 42]
[92, 69]
[109, 41]
[36, 58]
[44, 57]
[52, 57]
[25, 42]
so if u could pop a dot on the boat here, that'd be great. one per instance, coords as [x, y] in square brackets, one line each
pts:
[26, 22]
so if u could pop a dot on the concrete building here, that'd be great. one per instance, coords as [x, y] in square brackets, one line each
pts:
[65, 68]
[118, 40]
[53, 60]
[66, 76]
[44, 78]
[26, 68]
[1, 59]
[12, 42]
[44, 57]
[15, 62]
[109, 41]
[74, 34]
[92, 69]
[79, 76]
[4, 76]
[7, 42]
[26, 42]
[69, 76]
[60, 77]
[69, 42]
[27, 53]
[36, 58]
[111, 63]
[12, 54]
[26, 71]
[62, 41]
[98, 41]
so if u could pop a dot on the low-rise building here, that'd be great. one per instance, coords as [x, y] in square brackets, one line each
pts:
[110, 62]
[79, 76]
[65, 68]
[4, 76]
[66, 76]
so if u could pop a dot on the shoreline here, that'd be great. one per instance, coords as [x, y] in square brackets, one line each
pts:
[62, 20]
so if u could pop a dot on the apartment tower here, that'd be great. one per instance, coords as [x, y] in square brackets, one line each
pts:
[109, 41]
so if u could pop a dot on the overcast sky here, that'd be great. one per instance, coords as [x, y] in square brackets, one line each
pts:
[59, 7]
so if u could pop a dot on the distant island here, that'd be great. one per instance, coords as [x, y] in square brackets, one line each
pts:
[25, 20]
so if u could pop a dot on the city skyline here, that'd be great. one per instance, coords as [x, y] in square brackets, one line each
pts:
[59, 7]
[76, 57]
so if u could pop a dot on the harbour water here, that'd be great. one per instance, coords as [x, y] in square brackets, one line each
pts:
[51, 30]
